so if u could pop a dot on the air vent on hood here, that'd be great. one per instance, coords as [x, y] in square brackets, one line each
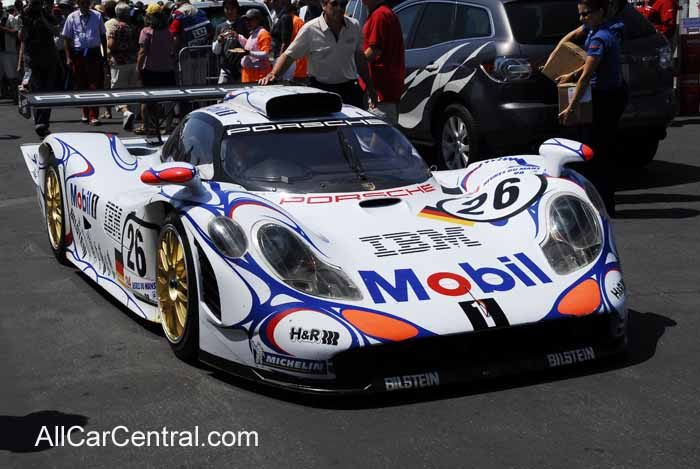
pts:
[377, 203]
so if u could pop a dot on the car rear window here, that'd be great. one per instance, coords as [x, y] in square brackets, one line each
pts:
[542, 22]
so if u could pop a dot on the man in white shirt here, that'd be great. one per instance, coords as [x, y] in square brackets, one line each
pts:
[333, 44]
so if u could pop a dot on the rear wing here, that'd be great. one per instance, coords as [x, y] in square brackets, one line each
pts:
[29, 101]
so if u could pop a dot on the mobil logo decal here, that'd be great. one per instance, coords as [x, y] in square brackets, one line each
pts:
[512, 272]
[84, 201]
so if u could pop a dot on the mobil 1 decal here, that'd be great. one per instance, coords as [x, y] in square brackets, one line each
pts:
[139, 239]
[497, 199]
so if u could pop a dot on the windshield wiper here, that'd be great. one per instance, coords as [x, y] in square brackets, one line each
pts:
[350, 157]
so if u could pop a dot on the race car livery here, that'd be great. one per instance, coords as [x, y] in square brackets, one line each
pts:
[286, 238]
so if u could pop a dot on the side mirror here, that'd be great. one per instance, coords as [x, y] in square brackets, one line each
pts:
[174, 173]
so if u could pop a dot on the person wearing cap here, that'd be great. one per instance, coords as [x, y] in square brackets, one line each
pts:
[257, 48]
[333, 45]
[85, 39]
[122, 43]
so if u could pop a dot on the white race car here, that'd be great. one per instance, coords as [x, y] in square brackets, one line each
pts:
[286, 238]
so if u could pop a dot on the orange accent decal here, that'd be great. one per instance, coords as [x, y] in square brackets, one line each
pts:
[582, 300]
[381, 327]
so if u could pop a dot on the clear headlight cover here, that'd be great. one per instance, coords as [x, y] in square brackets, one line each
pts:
[575, 237]
[228, 236]
[299, 268]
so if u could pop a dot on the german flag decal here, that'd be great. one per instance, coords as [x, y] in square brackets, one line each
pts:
[441, 215]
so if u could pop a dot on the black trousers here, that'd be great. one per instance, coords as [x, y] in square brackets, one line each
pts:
[608, 106]
[349, 91]
[46, 77]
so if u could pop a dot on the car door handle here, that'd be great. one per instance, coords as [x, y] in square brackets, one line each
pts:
[431, 67]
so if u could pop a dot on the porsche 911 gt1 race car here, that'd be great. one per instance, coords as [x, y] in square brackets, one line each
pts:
[290, 239]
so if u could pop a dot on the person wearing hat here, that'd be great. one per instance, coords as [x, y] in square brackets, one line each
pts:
[257, 48]
[227, 40]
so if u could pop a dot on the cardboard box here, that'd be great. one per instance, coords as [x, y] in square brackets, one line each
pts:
[565, 59]
[583, 113]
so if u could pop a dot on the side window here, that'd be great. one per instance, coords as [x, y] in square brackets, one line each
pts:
[198, 141]
[173, 146]
[471, 22]
[435, 25]
[407, 17]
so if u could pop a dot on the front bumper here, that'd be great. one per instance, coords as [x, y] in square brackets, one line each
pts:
[458, 358]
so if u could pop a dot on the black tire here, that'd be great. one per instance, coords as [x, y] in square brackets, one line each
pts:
[456, 128]
[55, 214]
[185, 344]
[637, 152]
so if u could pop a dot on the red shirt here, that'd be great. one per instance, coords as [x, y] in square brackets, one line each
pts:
[383, 31]
[666, 11]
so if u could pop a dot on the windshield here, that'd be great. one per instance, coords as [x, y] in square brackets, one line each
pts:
[542, 22]
[330, 159]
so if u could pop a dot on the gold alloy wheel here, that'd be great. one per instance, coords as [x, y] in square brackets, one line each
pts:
[171, 284]
[54, 209]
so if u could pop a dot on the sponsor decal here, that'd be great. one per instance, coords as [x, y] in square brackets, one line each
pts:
[484, 313]
[521, 271]
[618, 291]
[328, 199]
[84, 200]
[119, 266]
[419, 241]
[315, 336]
[302, 125]
[420, 380]
[570, 357]
[299, 365]
[113, 221]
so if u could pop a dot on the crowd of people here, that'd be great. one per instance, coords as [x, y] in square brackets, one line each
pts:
[83, 45]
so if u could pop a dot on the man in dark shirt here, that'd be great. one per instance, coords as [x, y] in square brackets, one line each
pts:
[226, 40]
[41, 60]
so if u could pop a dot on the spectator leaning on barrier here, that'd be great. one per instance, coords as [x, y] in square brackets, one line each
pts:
[227, 40]
[257, 48]
[384, 51]
[333, 44]
[156, 58]
[603, 71]
[122, 43]
[84, 34]
[41, 61]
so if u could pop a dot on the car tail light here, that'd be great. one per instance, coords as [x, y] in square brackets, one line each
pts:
[508, 69]
[665, 57]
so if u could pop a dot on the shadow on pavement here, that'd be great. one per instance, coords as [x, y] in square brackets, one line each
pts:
[8, 137]
[20, 434]
[680, 122]
[655, 198]
[658, 174]
[645, 330]
[659, 213]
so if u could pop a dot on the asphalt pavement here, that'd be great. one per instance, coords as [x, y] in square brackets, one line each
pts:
[70, 356]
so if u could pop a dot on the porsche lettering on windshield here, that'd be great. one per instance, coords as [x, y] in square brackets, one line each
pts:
[302, 125]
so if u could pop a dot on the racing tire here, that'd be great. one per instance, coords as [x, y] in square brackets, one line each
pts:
[457, 142]
[176, 290]
[55, 213]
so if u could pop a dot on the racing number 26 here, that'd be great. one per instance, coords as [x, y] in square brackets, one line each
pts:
[505, 195]
[136, 250]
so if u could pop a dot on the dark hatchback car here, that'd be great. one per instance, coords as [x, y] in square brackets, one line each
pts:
[473, 88]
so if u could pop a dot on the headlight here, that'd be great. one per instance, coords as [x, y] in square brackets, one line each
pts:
[228, 236]
[300, 268]
[575, 236]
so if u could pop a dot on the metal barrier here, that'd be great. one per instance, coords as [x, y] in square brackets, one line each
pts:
[197, 65]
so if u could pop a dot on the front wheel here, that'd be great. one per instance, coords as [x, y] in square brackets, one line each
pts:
[55, 214]
[176, 288]
[457, 138]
